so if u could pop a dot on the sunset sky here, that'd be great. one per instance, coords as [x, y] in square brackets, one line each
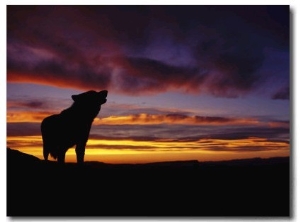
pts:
[184, 82]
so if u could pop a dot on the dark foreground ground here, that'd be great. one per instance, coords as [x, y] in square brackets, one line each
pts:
[255, 187]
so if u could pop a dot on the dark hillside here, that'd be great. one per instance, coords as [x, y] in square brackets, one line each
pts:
[254, 187]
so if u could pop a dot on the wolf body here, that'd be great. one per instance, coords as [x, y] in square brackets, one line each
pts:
[72, 126]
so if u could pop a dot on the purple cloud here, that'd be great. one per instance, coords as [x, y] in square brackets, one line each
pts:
[283, 93]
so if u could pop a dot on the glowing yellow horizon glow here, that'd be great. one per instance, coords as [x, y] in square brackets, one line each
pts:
[130, 151]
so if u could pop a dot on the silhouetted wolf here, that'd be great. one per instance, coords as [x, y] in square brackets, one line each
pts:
[72, 126]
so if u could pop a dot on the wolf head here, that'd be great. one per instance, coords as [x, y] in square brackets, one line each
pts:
[91, 97]
[90, 101]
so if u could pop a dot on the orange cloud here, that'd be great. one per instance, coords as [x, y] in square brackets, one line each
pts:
[143, 118]
[275, 124]
[58, 80]
[18, 117]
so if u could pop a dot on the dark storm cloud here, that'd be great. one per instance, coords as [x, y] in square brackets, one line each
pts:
[254, 132]
[55, 71]
[283, 93]
[217, 50]
[149, 75]
[32, 104]
[232, 67]
[35, 104]
[23, 129]
[211, 119]
[245, 148]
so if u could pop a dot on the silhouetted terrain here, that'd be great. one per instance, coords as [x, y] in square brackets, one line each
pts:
[254, 187]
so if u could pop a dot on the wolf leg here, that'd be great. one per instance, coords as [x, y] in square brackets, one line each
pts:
[61, 157]
[46, 151]
[80, 150]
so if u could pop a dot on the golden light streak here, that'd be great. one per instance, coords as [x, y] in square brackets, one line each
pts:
[34, 117]
[149, 119]
[130, 151]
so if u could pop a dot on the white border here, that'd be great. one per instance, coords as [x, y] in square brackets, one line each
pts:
[295, 83]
